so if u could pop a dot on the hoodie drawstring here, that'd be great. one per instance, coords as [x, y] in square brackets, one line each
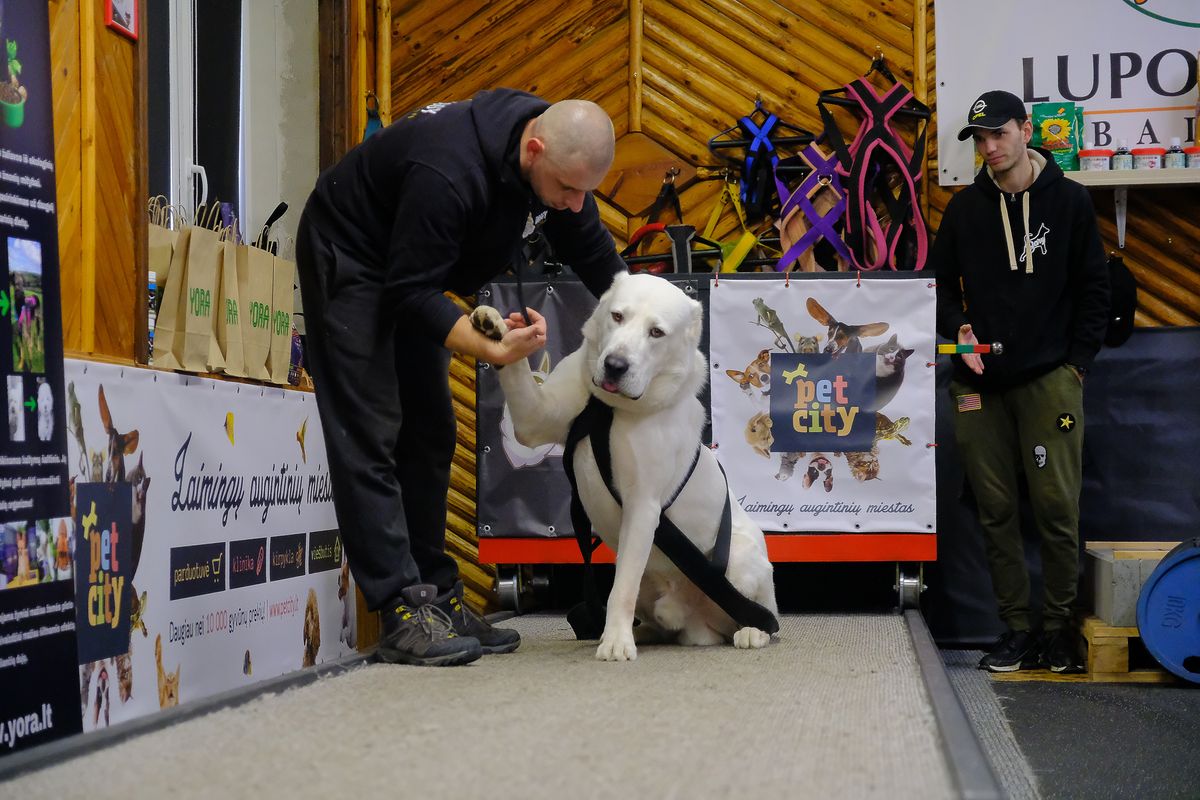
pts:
[1027, 253]
[1008, 240]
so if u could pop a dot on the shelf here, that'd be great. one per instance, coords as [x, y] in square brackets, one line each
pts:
[1120, 180]
[1135, 177]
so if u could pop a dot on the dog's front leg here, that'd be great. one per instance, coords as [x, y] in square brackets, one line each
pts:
[638, 522]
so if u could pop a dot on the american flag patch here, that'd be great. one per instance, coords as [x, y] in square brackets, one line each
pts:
[969, 402]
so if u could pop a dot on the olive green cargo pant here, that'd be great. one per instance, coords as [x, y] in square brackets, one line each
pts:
[1035, 428]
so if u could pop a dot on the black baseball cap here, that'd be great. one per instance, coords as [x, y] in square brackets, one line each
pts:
[992, 111]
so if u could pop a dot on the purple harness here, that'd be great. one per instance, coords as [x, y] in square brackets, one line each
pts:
[823, 174]
[865, 164]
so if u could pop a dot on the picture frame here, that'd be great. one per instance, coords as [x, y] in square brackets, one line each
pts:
[122, 17]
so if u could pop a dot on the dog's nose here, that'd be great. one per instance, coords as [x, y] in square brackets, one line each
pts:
[615, 367]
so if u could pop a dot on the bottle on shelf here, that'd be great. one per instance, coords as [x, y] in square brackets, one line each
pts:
[1175, 158]
[1122, 158]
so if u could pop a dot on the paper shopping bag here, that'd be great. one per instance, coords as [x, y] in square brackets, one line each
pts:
[255, 274]
[280, 359]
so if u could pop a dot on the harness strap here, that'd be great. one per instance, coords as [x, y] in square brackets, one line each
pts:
[864, 163]
[707, 574]
[755, 173]
[822, 176]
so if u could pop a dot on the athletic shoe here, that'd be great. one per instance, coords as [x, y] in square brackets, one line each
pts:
[1013, 651]
[413, 630]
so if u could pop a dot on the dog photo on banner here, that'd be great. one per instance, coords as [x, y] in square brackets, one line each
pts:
[823, 401]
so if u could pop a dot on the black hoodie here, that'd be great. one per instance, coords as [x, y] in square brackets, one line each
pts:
[1046, 302]
[435, 202]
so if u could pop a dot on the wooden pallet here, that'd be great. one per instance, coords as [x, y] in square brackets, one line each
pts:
[1108, 659]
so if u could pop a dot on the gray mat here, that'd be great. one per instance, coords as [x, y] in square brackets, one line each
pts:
[977, 693]
[835, 708]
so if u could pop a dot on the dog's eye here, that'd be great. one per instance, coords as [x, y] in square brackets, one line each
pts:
[617, 317]
[657, 333]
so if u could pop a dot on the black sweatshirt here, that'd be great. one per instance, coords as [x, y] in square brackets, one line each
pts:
[1046, 302]
[435, 202]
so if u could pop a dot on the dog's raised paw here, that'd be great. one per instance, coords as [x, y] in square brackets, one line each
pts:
[488, 321]
[750, 638]
[618, 647]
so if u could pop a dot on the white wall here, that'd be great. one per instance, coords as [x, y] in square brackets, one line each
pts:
[280, 104]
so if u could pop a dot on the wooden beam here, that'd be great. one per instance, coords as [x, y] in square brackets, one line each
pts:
[88, 210]
[383, 58]
[921, 85]
[141, 298]
[358, 94]
[635, 65]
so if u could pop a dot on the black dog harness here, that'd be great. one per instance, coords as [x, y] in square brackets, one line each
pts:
[587, 619]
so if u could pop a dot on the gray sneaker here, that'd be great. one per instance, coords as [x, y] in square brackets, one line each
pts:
[415, 631]
[467, 623]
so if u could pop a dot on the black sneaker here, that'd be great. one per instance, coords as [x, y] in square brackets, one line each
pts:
[1013, 651]
[1060, 652]
[467, 623]
[416, 631]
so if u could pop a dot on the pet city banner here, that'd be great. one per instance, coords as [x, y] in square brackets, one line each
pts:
[1131, 65]
[33, 472]
[822, 400]
[204, 520]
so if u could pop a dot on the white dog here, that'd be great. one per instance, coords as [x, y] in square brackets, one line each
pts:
[640, 356]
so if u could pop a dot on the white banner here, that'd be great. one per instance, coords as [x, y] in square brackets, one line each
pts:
[821, 437]
[1131, 64]
[239, 573]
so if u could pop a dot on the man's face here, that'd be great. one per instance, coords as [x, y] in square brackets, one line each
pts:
[1003, 148]
[561, 187]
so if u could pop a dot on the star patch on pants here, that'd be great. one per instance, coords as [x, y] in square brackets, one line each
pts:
[1066, 422]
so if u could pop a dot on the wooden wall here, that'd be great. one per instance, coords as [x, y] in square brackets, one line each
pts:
[100, 181]
[678, 71]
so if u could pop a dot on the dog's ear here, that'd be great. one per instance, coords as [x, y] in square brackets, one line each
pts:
[870, 329]
[818, 313]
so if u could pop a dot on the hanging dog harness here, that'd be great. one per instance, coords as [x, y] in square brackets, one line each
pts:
[864, 164]
[822, 177]
[587, 618]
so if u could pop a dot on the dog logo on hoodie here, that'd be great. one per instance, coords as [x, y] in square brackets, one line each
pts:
[1036, 241]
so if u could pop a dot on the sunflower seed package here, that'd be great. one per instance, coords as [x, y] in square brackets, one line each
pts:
[1058, 128]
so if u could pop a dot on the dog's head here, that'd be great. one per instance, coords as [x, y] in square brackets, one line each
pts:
[758, 434]
[642, 343]
[757, 374]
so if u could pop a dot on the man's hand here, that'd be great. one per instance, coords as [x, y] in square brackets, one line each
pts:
[972, 360]
[522, 340]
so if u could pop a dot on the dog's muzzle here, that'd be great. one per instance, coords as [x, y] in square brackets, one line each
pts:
[615, 368]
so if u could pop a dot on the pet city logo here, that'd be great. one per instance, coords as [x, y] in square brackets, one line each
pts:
[103, 569]
[105, 581]
[819, 406]
[1175, 12]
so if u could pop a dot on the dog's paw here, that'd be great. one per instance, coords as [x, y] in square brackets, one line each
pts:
[617, 647]
[750, 639]
[488, 321]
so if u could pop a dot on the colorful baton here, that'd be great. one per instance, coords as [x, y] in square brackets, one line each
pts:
[994, 347]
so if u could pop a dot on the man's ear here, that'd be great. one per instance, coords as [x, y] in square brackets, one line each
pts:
[1027, 131]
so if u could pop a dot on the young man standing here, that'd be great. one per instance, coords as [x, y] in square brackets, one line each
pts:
[1019, 261]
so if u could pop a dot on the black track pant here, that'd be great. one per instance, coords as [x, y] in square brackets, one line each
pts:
[383, 393]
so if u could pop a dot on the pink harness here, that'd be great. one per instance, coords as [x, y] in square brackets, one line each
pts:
[877, 151]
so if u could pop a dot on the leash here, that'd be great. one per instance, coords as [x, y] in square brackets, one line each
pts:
[587, 618]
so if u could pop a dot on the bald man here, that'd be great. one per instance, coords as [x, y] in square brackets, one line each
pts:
[443, 199]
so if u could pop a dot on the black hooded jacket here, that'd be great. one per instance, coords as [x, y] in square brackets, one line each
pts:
[435, 202]
[1047, 302]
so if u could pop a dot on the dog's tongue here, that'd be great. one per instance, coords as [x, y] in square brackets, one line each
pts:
[609, 387]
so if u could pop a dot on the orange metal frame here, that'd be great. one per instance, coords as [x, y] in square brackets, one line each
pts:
[781, 547]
